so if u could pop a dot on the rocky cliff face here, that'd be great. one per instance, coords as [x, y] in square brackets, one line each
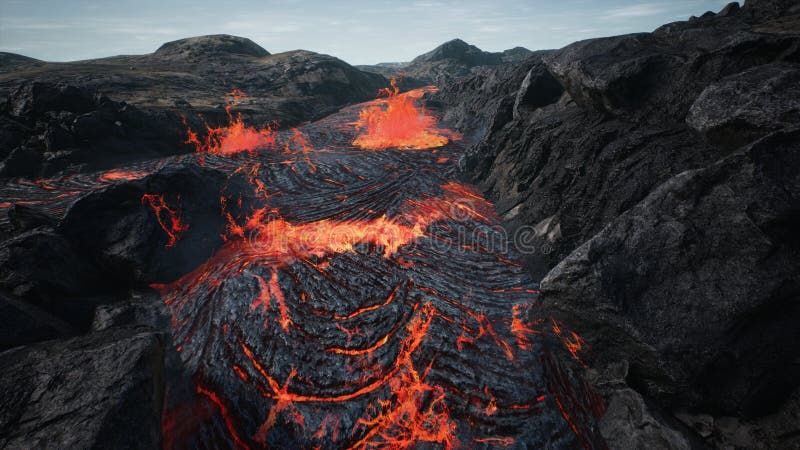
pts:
[653, 177]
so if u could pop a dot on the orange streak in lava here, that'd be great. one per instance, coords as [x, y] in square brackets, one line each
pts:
[571, 340]
[367, 309]
[120, 174]
[225, 416]
[168, 218]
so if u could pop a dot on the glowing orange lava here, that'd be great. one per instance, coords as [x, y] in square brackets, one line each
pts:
[122, 175]
[168, 218]
[234, 138]
[397, 122]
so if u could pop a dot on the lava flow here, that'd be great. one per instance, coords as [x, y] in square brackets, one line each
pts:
[397, 122]
[360, 301]
[357, 299]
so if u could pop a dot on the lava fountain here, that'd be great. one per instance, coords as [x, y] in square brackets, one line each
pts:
[236, 137]
[398, 122]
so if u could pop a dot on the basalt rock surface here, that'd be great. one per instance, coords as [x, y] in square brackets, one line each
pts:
[50, 128]
[102, 390]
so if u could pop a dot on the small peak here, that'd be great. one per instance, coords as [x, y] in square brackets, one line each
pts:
[209, 46]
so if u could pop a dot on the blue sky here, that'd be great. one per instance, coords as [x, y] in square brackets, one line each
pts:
[359, 32]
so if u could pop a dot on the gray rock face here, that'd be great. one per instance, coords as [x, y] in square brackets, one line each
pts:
[102, 390]
[647, 164]
[745, 106]
[697, 285]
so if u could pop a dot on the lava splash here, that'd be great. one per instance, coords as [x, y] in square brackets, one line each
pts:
[397, 122]
[236, 137]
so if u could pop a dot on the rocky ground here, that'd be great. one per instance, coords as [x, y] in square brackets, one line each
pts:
[655, 176]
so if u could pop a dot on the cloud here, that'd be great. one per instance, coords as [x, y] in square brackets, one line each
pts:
[642, 10]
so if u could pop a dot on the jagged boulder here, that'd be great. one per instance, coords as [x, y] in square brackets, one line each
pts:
[743, 107]
[697, 286]
[102, 390]
[125, 233]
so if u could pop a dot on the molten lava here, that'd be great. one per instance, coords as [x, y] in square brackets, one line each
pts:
[168, 218]
[343, 309]
[122, 175]
[234, 138]
[397, 122]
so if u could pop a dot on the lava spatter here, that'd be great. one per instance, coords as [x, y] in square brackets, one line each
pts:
[397, 122]
[235, 137]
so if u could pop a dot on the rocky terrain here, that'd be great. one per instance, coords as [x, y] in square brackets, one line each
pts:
[650, 182]
[655, 175]
[94, 114]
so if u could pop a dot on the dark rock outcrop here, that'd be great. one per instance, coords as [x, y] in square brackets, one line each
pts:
[697, 286]
[55, 127]
[662, 185]
[102, 390]
[51, 273]
[123, 233]
[746, 106]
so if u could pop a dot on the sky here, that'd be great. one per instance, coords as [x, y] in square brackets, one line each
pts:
[359, 32]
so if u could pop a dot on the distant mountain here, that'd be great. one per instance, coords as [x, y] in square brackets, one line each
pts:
[12, 61]
[458, 52]
[517, 54]
[452, 59]
[210, 46]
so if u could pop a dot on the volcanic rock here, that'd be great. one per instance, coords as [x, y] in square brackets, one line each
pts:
[53, 127]
[122, 231]
[103, 390]
[743, 107]
[647, 165]
[697, 286]
[25, 324]
[51, 273]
